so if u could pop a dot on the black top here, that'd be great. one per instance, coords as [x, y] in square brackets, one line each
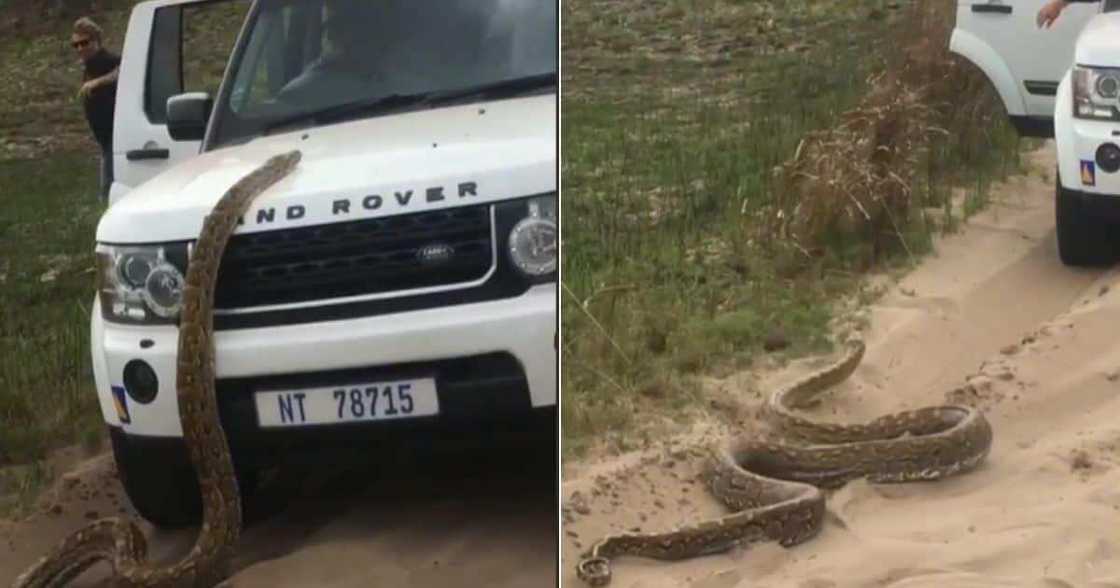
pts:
[99, 103]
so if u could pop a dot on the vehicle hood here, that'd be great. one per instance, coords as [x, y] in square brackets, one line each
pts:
[1099, 42]
[391, 164]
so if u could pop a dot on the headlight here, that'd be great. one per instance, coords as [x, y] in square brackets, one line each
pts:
[141, 284]
[534, 243]
[1095, 93]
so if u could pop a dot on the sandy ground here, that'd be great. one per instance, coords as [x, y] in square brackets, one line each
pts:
[994, 320]
[484, 516]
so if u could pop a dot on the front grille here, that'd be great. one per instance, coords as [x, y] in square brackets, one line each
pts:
[353, 258]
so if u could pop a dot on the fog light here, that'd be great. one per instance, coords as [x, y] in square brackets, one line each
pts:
[1108, 157]
[140, 381]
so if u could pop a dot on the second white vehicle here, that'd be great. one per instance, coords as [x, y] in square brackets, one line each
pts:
[1061, 82]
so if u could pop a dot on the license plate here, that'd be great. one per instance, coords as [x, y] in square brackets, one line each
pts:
[378, 401]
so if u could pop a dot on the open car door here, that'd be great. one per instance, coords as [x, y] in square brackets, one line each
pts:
[1025, 63]
[170, 47]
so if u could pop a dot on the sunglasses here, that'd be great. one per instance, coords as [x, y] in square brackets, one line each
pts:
[79, 44]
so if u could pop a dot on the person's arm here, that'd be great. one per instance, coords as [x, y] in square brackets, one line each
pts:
[1050, 11]
[112, 76]
[94, 83]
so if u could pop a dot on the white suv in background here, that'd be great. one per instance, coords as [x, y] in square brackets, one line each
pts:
[1061, 82]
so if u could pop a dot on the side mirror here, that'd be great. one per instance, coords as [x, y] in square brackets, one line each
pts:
[187, 115]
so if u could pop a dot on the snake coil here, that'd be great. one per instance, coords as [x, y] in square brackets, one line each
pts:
[773, 488]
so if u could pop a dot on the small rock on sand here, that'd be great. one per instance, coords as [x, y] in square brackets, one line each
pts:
[579, 503]
[69, 480]
[775, 340]
[1080, 460]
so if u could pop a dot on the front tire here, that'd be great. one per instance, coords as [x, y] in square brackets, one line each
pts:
[160, 481]
[1082, 239]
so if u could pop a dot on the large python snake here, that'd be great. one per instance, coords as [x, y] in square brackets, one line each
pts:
[774, 487]
[120, 541]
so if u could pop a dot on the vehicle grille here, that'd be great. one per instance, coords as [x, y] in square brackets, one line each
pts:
[354, 258]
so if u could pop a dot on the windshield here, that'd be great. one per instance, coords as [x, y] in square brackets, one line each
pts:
[358, 58]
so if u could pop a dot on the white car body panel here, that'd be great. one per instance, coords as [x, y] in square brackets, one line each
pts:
[982, 54]
[488, 144]
[132, 130]
[524, 326]
[1064, 135]
[1099, 42]
[1002, 39]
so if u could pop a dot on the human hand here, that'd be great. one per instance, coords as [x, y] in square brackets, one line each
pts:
[86, 88]
[1049, 13]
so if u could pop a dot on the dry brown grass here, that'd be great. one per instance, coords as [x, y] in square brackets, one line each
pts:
[862, 176]
[857, 175]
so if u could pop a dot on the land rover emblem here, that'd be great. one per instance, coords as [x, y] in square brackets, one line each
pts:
[435, 253]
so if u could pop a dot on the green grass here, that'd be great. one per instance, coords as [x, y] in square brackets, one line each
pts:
[48, 182]
[675, 115]
[47, 396]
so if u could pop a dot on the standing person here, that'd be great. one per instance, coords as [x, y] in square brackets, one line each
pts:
[98, 91]
[1052, 9]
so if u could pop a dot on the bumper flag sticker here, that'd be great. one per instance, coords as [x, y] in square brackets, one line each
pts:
[1088, 173]
[121, 404]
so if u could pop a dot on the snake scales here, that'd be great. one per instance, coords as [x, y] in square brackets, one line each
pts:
[774, 487]
[120, 541]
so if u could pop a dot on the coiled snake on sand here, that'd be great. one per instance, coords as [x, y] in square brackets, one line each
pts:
[120, 541]
[774, 487]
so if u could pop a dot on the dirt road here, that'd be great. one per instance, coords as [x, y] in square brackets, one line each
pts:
[479, 517]
[993, 319]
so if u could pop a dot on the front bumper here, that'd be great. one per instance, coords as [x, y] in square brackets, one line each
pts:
[1105, 207]
[1077, 156]
[1077, 141]
[492, 361]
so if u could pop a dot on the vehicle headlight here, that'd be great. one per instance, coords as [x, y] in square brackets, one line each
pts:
[534, 240]
[1095, 93]
[141, 284]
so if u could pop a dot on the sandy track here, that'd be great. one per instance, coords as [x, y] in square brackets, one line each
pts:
[994, 320]
[479, 517]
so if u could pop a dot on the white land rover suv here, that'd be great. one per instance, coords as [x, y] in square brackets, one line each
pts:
[1062, 82]
[402, 281]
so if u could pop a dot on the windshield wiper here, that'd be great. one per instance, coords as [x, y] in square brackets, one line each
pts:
[347, 109]
[503, 89]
